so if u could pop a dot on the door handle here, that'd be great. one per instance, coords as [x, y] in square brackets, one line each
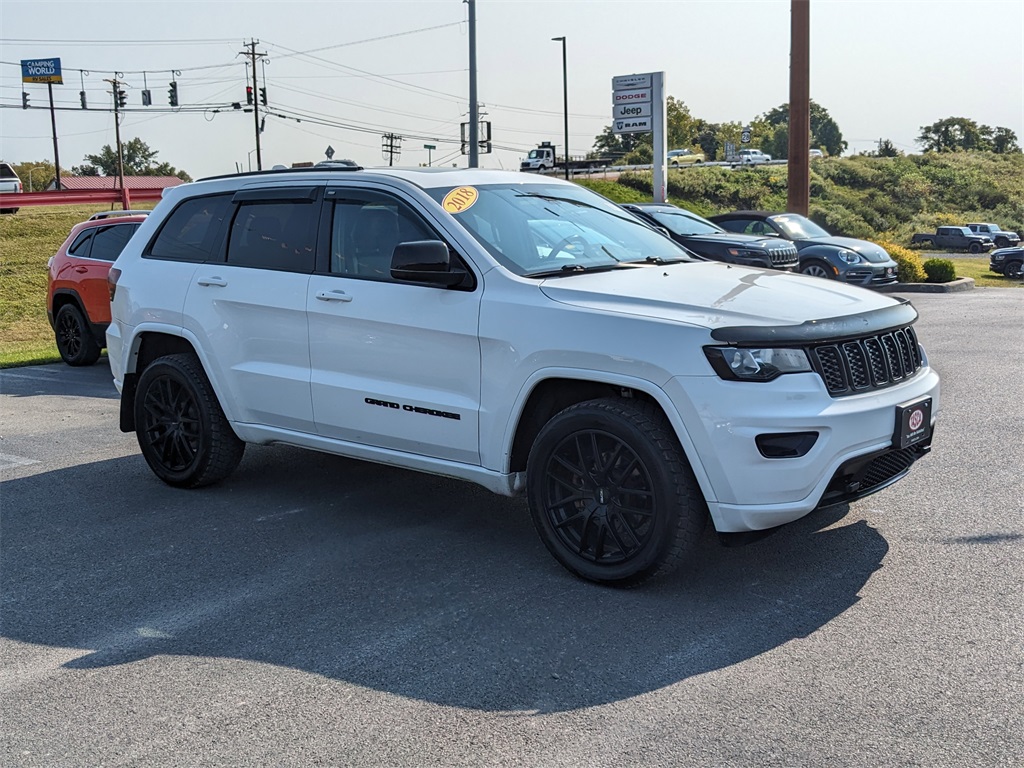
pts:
[81, 270]
[219, 282]
[333, 296]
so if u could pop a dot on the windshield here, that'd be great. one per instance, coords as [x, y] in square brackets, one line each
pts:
[682, 222]
[535, 154]
[798, 227]
[545, 229]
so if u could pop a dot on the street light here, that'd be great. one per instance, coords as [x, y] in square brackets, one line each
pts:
[250, 159]
[565, 104]
[30, 175]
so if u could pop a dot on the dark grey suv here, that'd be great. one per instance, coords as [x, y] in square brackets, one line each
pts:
[858, 262]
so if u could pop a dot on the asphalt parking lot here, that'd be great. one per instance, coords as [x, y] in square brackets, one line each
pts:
[313, 610]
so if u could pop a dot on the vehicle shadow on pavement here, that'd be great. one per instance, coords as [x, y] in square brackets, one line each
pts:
[58, 379]
[400, 582]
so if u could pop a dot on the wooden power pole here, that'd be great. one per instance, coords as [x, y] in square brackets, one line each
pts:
[798, 199]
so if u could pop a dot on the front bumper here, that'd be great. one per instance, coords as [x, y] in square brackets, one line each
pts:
[746, 491]
[870, 274]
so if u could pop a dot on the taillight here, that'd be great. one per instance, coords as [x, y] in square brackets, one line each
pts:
[112, 277]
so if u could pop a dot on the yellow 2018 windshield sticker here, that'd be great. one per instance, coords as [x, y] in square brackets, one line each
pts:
[460, 199]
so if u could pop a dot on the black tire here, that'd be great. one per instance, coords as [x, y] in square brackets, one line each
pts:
[612, 494]
[182, 431]
[974, 248]
[1002, 242]
[1012, 270]
[75, 342]
[816, 268]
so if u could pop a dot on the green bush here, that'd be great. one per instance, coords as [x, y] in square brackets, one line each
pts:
[939, 270]
[910, 269]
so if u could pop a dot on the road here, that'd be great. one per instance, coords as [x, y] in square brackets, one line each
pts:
[317, 611]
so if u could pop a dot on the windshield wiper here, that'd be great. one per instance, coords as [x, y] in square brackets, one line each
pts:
[662, 260]
[568, 269]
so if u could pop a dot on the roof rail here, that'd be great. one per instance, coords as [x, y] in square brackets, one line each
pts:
[276, 171]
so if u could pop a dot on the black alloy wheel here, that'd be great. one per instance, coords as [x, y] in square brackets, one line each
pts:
[75, 341]
[611, 493]
[183, 433]
[974, 248]
[1012, 270]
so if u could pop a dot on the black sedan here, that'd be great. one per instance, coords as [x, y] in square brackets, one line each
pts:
[821, 255]
[712, 242]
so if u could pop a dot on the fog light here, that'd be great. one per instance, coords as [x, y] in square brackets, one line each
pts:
[785, 445]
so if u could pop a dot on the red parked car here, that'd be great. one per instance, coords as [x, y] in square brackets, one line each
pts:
[77, 296]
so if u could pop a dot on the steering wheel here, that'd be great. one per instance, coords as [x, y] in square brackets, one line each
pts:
[565, 243]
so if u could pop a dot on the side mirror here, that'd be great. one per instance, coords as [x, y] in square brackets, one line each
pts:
[424, 261]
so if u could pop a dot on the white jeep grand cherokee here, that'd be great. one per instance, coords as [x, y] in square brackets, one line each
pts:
[519, 332]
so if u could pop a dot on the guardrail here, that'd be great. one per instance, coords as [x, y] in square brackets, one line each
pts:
[78, 197]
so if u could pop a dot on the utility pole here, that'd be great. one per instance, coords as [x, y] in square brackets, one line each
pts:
[391, 147]
[474, 108]
[254, 56]
[799, 193]
[53, 124]
[115, 85]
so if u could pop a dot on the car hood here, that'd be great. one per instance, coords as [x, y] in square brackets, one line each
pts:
[999, 253]
[714, 295]
[868, 251]
[746, 241]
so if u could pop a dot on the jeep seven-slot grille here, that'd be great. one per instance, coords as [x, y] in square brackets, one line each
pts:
[872, 362]
[783, 256]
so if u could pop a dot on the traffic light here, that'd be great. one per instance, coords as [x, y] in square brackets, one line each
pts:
[81, 95]
[172, 93]
[248, 95]
[24, 100]
[122, 98]
[147, 98]
[263, 96]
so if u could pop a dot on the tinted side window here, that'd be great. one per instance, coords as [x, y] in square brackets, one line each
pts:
[275, 235]
[108, 242]
[193, 231]
[82, 244]
[6, 172]
[365, 230]
[736, 225]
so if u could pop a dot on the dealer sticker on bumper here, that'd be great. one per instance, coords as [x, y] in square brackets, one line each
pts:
[913, 422]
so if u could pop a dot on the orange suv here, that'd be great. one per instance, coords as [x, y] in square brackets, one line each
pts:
[77, 296]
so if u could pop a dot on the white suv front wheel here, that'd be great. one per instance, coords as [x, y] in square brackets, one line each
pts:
[611, 493]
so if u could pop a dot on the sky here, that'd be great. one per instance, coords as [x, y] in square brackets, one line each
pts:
[341, 73]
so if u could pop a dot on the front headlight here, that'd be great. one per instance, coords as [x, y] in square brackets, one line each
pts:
[850, 257]
[764, 364]
[997, 256]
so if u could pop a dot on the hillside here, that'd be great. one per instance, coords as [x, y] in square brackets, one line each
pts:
[875, 198]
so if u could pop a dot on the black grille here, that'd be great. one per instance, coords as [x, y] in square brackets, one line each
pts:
[783, 256]
[864, 475]
[872, 362]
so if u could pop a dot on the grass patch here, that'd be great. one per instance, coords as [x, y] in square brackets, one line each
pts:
[27, 240]
[977, 269]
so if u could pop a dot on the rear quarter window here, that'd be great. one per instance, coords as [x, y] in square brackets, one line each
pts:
[108, 242]
[194, 231]
[6, 172]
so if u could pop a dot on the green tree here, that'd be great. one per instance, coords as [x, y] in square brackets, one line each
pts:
[1004, 141]
[139, 160]
[36, 175]
[952, 134]
[825, 131]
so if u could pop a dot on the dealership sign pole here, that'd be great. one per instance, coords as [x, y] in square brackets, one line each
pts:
[638, 106]
[46, 71]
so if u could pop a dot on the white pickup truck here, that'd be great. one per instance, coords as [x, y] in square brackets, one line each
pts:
[9, 183]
